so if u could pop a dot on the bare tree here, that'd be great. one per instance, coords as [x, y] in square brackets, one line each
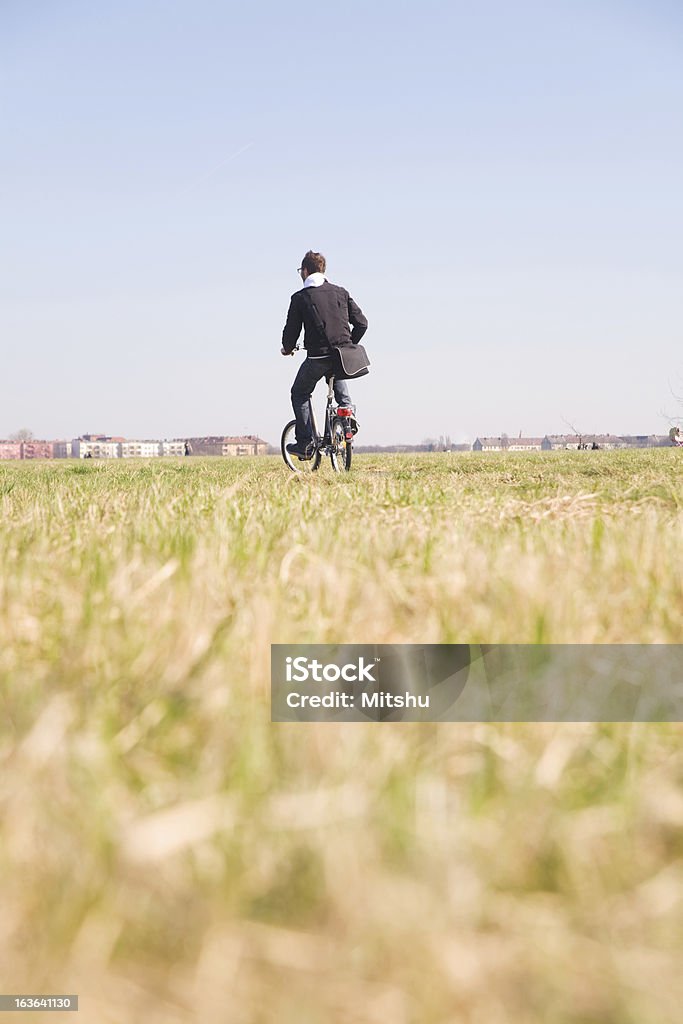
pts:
[677, 420]
[22, 435]
[578, 433]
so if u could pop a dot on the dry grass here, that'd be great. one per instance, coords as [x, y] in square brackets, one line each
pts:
[174, 857]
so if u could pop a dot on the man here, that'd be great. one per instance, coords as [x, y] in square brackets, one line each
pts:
[324, 311]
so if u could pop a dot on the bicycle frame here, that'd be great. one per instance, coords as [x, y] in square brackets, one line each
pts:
[335, 441]
[324, 442]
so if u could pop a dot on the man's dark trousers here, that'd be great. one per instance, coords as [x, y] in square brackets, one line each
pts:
[310, 372]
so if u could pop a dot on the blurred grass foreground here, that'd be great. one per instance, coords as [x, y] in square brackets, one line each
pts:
[173, 857]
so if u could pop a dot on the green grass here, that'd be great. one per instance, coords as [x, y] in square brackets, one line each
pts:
[174, 857]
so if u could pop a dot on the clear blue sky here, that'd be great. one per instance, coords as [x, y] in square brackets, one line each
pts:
[498, 186]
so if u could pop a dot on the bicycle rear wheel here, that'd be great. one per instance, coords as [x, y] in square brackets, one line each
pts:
[340, 454]
[291, 461]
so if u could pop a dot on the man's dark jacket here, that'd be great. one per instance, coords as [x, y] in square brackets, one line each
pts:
[336, 310]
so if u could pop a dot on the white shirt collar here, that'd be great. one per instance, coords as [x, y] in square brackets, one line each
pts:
[313, 280]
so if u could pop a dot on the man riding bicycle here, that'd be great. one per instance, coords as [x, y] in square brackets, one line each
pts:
[324, 310]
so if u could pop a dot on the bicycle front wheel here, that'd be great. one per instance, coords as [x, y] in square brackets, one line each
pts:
[291, 461]
[340, 453]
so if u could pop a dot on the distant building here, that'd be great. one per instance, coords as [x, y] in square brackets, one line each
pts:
[37, 450]
[103, 446]
[100, 437]
[524, 444]
[606, 441]
[488, 444]
[645, 441]
[82, 448]
[247, 445]
[172, 447]
[634, 441]
[553, 442]
[10, 449]
[558, 442]
[507, 444]
[139, 449]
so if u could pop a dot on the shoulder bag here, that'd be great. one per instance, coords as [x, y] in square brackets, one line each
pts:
[350, 361]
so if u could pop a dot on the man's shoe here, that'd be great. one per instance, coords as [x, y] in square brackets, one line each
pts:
[301, 453]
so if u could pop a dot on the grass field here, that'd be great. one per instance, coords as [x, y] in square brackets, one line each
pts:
[172, 856]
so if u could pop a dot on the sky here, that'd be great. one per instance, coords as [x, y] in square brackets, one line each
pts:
[497, 185]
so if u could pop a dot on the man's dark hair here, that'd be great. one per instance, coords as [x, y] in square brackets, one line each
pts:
[314, 262]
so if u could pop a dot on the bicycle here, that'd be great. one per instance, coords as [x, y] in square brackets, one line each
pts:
[335, 441]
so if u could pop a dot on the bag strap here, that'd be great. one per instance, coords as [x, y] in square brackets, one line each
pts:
[316, 317]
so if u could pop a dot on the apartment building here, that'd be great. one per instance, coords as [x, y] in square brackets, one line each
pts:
[102, 446]
[172, 447]
[85, 449]
[37, 450]
[524, 444]
[230, 446]
[10, 449]
[139, 449]
[27, 450]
